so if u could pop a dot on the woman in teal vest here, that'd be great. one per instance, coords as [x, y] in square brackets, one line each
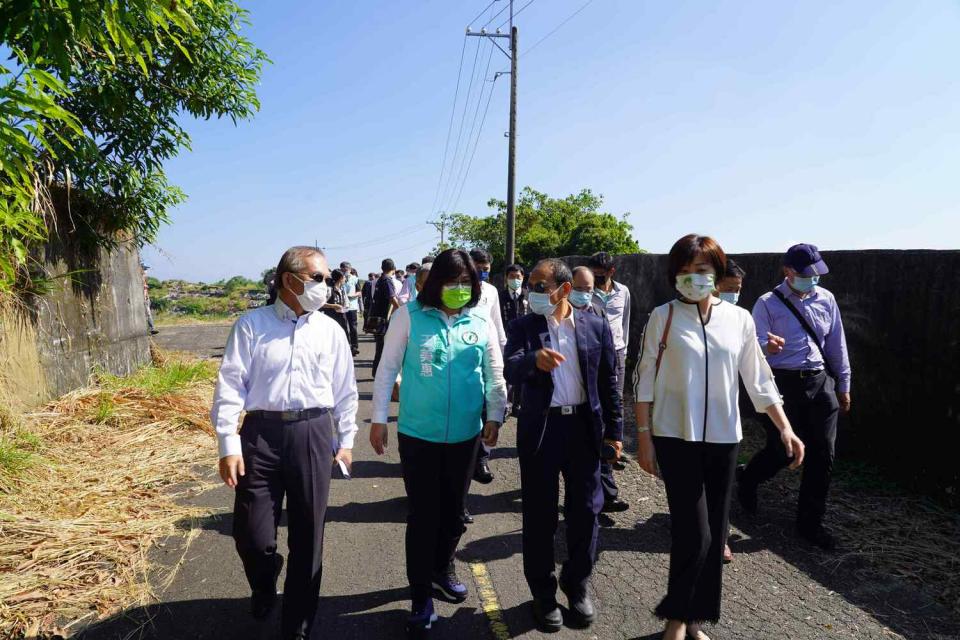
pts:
[451, 363]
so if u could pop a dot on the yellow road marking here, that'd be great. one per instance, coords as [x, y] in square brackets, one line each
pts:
[489, 600]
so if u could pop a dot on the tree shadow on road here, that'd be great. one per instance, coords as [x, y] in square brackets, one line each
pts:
[345, 616]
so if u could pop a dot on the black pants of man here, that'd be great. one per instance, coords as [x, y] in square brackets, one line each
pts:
[811, 405]
[378, 341]
[351, 317]
[292, 459]
[607, 482]
[698, 477]
[567, 448]
[436, 476]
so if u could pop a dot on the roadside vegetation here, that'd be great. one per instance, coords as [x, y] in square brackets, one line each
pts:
[88, 484]
[178, 301]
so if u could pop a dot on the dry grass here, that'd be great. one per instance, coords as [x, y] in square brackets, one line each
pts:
[108, 464]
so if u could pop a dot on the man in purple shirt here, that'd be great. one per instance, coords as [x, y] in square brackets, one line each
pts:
[807, 350]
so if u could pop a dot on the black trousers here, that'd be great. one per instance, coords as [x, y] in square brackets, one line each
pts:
[811, 406]
[698, 477]
[351, 317]
[607, 482]
[378, 341]
[436, 476]
[292, 459]
[568, 448]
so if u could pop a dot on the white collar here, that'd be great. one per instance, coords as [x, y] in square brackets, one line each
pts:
[283, 311]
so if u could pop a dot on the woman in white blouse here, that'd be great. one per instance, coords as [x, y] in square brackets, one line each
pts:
[693, 349]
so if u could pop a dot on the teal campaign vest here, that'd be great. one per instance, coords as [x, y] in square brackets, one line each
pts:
[442, 392]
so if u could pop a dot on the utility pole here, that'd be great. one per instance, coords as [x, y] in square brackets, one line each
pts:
[510, 243]
[512, 148]
[440, 225]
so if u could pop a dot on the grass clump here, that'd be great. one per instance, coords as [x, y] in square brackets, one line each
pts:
[88, 484]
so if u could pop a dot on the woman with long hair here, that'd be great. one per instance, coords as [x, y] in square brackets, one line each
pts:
[452, 368]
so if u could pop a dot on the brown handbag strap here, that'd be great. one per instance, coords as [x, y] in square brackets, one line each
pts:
[663, 338]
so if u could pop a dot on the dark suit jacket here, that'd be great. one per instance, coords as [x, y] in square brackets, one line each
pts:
[598, 365]
[512, 309]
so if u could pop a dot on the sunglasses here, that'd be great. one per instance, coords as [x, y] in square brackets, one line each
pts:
[316, 277]
[542, 287]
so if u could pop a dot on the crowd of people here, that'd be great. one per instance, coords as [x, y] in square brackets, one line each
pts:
[550, 348]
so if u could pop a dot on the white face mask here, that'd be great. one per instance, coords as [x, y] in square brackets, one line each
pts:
[695, 286]
[730, 297]
[314, 294]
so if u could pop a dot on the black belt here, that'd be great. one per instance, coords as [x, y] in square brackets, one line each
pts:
[798, 373]
[570, 410]
[294, 415]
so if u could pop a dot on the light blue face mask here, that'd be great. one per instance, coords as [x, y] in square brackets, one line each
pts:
[580, 298]
[540, 303]
[730, 297]
[805, 285]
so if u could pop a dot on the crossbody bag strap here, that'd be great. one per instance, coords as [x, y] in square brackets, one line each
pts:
[806, 327]
[663, 338]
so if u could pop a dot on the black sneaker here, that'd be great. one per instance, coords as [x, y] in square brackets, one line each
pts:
[818, 536]
[466, 517]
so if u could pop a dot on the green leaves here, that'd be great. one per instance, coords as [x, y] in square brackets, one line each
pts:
[547, 227]
[91, 101]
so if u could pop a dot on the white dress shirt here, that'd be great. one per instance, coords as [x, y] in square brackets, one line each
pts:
[391, 362]
[568, 389]
[490, 299]
[407, 289]
[695, 396]
[275, 361]
[617, 306]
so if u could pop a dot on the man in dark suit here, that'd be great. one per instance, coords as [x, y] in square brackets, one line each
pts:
[566, 364]
[513, 299]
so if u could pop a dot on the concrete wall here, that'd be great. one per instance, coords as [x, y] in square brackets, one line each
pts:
[94, 320]
[901, 314]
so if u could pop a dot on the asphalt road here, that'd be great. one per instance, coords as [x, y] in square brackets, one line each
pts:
[775, 588]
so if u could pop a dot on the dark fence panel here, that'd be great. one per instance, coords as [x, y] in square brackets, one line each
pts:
[901, 314]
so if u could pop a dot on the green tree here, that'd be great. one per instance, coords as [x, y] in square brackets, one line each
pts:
[546, 227]
[89, 109]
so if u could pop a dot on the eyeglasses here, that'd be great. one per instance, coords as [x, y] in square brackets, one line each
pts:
[316, 277]
[541, 287]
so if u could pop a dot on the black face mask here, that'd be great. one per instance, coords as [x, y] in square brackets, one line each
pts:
[600, 280]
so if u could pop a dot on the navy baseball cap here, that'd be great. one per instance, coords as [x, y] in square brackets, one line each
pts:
[805, 259]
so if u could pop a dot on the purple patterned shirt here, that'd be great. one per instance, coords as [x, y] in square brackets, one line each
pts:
[799, 352]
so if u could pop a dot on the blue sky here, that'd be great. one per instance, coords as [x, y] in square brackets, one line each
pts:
[760, 123]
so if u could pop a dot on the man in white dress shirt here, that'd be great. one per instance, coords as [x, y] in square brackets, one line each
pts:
[291, 371]
[489, 299]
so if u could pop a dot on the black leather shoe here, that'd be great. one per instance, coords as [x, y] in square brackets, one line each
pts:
[482, 473]
[582, 612]
[746, 492]
[818, 536]
[614, 506]
[466, 517]
[262, 602]
[547, 614]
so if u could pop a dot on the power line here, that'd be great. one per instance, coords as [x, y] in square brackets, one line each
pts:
[558, 27]
[480, 15]
[461, 176]
[375, 241]
[518, 12]
[477, 143]
[496, 15]
[463, 120]
[453, 112]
